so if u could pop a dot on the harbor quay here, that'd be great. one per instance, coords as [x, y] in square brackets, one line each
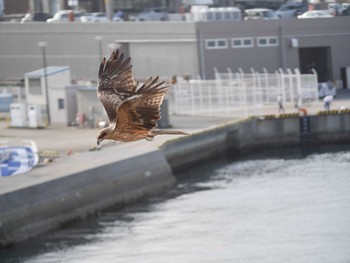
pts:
[82, 180]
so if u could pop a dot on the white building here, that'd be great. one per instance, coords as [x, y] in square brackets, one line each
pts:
[58, 79]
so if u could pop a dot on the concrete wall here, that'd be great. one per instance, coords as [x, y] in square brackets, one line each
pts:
[333, 33]
[255, 134]
[45, 199]
[330, 128]
[156, 48]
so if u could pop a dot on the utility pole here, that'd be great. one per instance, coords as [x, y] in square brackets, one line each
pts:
[43, 45]
[109, 9]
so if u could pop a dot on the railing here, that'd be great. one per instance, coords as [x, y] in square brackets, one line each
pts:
[243, 93]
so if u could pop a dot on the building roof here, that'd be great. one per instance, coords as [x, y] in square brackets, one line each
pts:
[51, 70]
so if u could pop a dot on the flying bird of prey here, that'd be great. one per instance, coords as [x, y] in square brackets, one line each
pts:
[132, 109]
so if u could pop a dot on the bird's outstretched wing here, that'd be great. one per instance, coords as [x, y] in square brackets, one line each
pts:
[140, 113]
[115, 83]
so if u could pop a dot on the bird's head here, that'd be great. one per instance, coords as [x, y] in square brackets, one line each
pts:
[103, 134]
[99, 140]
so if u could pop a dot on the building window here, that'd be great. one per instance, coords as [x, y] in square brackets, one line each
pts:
[34, 86]
[222, 43]
[60, 104]
[242, 42]
[216, 44]
[227, 16]
[267, 41]
[218, 15]
[210, 16]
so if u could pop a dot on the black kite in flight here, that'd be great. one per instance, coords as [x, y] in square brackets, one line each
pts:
[132, 111]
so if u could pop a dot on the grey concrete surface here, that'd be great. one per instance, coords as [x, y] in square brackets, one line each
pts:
[63, 139]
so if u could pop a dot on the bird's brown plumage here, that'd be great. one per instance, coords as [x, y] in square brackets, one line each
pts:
[133, 111]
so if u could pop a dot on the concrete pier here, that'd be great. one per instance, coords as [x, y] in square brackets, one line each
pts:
[48, 197]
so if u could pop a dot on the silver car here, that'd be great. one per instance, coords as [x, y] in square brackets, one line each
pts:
[291, 10]
[152, 14]
[315, 14]
[259, 14]
[94, 17]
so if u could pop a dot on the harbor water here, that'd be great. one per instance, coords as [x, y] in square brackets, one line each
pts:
[274, 209]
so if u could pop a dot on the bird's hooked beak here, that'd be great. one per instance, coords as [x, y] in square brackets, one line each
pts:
[99, 140]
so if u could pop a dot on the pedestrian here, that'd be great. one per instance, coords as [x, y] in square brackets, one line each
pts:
[280, 104]
[327, 102]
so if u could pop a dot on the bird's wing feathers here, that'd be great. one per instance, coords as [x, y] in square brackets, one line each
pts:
[141, 112]
[115, 74]
[115, 83]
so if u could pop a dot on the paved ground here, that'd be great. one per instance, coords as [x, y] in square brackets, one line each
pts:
[66, 139]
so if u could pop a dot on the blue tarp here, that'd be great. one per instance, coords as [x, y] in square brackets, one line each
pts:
[16, 160]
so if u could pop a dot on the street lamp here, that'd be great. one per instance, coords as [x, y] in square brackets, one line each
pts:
[113, 46]
[43, 45]
[99, 40]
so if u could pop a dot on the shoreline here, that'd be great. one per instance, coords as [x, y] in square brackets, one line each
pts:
[45, 198]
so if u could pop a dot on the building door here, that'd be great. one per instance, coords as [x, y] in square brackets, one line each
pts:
[318, 58]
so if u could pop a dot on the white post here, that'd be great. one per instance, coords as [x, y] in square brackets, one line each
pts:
[297, 72]
[210, 97]
[201, 94]
[254, 91]
[244, 92]
[192, 99]
[283, 87]
[278, 78]
[315, 82]
[231, 89]
[291, 86]
[267, 87]
[260, 89]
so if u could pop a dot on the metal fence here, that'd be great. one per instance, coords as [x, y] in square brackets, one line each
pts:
[243, 93]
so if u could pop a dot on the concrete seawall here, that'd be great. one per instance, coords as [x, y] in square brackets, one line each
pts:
[82, 185]
[85, 184]
[256, 133]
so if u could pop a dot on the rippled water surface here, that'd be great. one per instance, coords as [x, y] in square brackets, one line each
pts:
[272, 210]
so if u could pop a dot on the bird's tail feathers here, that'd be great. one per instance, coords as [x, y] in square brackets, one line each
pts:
[163, 132]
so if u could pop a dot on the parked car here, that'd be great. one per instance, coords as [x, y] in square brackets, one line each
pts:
[152, 14]
[259, 13]
[98, 17]
[94, 17]
[291, 9]
[315, 14]
[118, 17]
[63, 16]
[35, 16]
[334, 8]
[345, 9]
